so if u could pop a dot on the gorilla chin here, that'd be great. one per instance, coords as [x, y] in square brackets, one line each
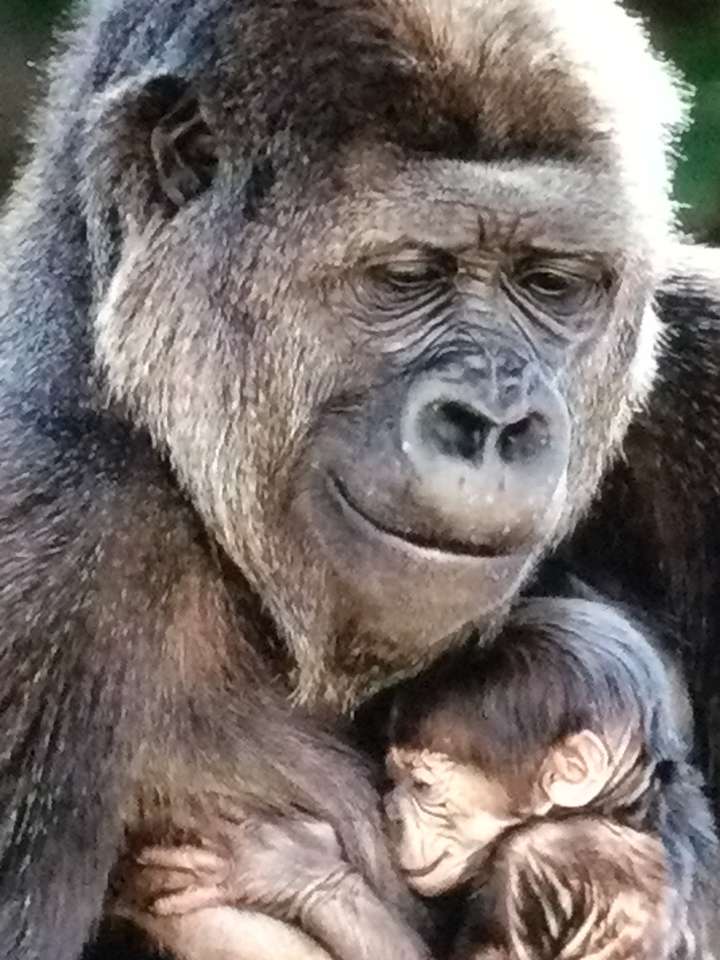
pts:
[411, 588]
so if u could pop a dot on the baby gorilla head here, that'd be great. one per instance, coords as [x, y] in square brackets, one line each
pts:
[569, 711]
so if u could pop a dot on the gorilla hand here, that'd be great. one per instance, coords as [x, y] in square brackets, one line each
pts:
[292, 869]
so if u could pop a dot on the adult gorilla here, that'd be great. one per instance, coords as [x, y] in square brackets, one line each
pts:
[321, 321]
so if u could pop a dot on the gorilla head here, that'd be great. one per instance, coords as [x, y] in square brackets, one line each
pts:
[387, 322]
[320, 322]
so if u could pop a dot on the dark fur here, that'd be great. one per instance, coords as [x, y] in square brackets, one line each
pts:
[653, 539]
[643, 857]
[157, 607]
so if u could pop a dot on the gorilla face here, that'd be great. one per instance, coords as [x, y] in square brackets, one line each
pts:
[409, 400]
[389, 380]
[477, 331]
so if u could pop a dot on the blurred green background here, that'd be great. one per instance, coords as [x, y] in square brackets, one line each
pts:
[688, 31]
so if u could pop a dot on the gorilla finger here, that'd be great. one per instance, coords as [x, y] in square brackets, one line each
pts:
[151, 884]
[197, 861]
[189, 900]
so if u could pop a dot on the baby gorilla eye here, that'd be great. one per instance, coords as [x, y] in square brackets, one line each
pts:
[422, 786]
[426, 791]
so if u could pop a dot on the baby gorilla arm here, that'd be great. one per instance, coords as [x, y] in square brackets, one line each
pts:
[293, 870]
[585, 887]
[228, 933]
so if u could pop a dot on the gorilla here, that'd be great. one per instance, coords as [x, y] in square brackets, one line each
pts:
[323, 324]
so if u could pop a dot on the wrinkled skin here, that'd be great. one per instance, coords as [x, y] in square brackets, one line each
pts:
[317, 334]
[293, 870]
[443, 815]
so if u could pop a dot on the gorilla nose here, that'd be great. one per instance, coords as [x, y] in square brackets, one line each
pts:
[487, 455]
[463, 429]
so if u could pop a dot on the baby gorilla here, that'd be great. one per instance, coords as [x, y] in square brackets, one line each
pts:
[548, 775]
[262, 888]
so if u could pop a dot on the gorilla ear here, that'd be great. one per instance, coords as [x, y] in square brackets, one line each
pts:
[183, 146]
[150, 149]
[575, 771]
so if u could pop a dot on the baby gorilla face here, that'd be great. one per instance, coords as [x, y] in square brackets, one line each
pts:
[442, 814]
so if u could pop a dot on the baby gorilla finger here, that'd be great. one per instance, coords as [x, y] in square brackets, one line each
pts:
[200, 862]
[189, 900]
[171, 881]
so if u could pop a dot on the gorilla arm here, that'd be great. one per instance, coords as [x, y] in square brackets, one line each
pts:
[658, 516]
[579, 888]
[137, 682]
[228, 933]
[583, 887]
[292, 868]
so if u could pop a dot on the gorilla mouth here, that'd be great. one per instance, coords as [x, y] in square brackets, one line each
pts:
[447, 546]
[424, 871]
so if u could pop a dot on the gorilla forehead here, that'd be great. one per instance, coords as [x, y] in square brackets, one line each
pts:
[467, 79]
[463, 78]
[379, 200]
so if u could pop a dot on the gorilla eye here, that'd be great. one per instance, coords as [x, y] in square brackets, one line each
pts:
[551, 284]
[415, 273]
[564, 286]
[548, 283]
[422, 786]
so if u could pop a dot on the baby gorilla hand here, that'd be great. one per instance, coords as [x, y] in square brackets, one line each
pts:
[171, 881]
[290, 868]
[280, 866]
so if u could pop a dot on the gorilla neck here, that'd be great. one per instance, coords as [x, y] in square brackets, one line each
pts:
[357, 665]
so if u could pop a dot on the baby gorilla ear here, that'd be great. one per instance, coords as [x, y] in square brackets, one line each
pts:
[575, 771]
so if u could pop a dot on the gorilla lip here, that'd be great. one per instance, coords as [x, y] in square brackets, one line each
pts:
[457, 548]
[424, 871]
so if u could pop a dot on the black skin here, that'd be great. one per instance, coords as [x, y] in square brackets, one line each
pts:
[145, 667]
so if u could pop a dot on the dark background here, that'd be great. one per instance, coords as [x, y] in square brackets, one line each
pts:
[688, 31]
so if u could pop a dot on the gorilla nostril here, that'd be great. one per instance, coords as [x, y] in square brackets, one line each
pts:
[454, 429]
[523, 440]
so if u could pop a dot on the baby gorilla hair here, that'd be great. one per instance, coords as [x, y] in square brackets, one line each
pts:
[547, 777]
[560, 666]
